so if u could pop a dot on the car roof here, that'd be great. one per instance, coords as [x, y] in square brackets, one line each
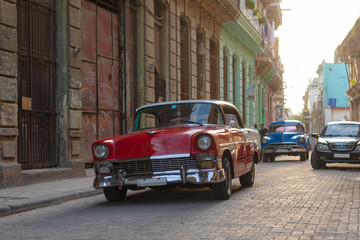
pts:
[217, 102]
[285, 121]
[343, 122]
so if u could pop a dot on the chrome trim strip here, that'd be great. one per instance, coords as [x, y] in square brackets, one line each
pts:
[190, 177]
[225, 144]
[182, 155]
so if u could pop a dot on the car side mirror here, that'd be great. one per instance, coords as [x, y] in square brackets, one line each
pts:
[315, 135]
[232, 123]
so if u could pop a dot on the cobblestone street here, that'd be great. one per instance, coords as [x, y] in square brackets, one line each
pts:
[289, 200]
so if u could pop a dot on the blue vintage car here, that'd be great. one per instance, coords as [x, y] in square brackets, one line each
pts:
[286, 138]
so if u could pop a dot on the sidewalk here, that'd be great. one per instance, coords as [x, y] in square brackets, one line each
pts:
[18, 199]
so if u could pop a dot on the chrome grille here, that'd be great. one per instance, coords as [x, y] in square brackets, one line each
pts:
[341, 147]
[143, 166]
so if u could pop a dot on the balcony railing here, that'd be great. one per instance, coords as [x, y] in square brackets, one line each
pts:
[273, 12]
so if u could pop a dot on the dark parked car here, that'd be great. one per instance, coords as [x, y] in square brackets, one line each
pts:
[339, 142]
[286, 138]
[200, 143]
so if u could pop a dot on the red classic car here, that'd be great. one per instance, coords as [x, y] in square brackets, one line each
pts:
[200, 143]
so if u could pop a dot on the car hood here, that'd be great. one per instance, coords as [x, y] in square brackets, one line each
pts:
[155, 142]
[331, 140]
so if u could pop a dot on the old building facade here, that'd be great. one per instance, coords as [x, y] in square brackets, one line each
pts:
[348, 52]
[75, 71]
[268, 64]
[325, 98]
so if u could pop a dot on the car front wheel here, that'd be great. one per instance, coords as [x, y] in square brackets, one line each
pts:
[223, 190]
[315, 162]
[114, 194]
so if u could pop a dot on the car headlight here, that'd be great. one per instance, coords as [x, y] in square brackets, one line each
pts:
[204, 142]
[357, 148]
[322, 147]
[264, 141]
[101, 151]
[301, 139]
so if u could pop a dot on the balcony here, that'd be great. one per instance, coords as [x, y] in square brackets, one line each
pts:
[276, 82]
[222, 10]
[264, 62]
[265, 3]
[273, 13]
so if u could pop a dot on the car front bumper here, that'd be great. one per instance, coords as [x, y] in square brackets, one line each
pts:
[280, 150]
[338, 157]
[184, 177]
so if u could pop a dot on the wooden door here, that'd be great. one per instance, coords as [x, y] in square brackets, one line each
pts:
[100, 75]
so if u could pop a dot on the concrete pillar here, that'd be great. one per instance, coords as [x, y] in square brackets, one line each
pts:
[10, 170]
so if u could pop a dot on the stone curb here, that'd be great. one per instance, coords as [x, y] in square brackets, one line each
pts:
[30, 204]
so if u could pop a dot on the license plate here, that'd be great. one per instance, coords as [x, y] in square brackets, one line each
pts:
[341, 155]
[151, 182]
[281, 150]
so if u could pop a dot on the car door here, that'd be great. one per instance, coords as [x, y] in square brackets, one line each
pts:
[238, 135]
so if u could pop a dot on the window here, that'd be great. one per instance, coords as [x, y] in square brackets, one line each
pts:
[286, 127]
[349, 130]
[235, 90]
[184, 63]
[225, 75]
[231, 114]
[160, 85]
[214, 74]
[200, 64]
[243, 79]
[169, 115]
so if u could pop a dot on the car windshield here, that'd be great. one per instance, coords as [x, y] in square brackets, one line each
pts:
[342, 130]
[178, 114]
[285, 127]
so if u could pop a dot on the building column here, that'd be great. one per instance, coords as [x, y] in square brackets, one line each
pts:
[10, 169]
[72, 85]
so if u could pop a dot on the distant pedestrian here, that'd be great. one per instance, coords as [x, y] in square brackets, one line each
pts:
[263, 131]
[255, 126]
[161, 99]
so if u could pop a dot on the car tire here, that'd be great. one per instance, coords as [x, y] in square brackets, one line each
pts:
[114, 194]
[248, 179]
[265, 158]
[223, 189]
[304, 156]
[315, 162]
[272, 159]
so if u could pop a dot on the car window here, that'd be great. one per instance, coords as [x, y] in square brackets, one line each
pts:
[346, 130]
[232, 114]
[286, 127]
[177, 114]
[215, 116]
